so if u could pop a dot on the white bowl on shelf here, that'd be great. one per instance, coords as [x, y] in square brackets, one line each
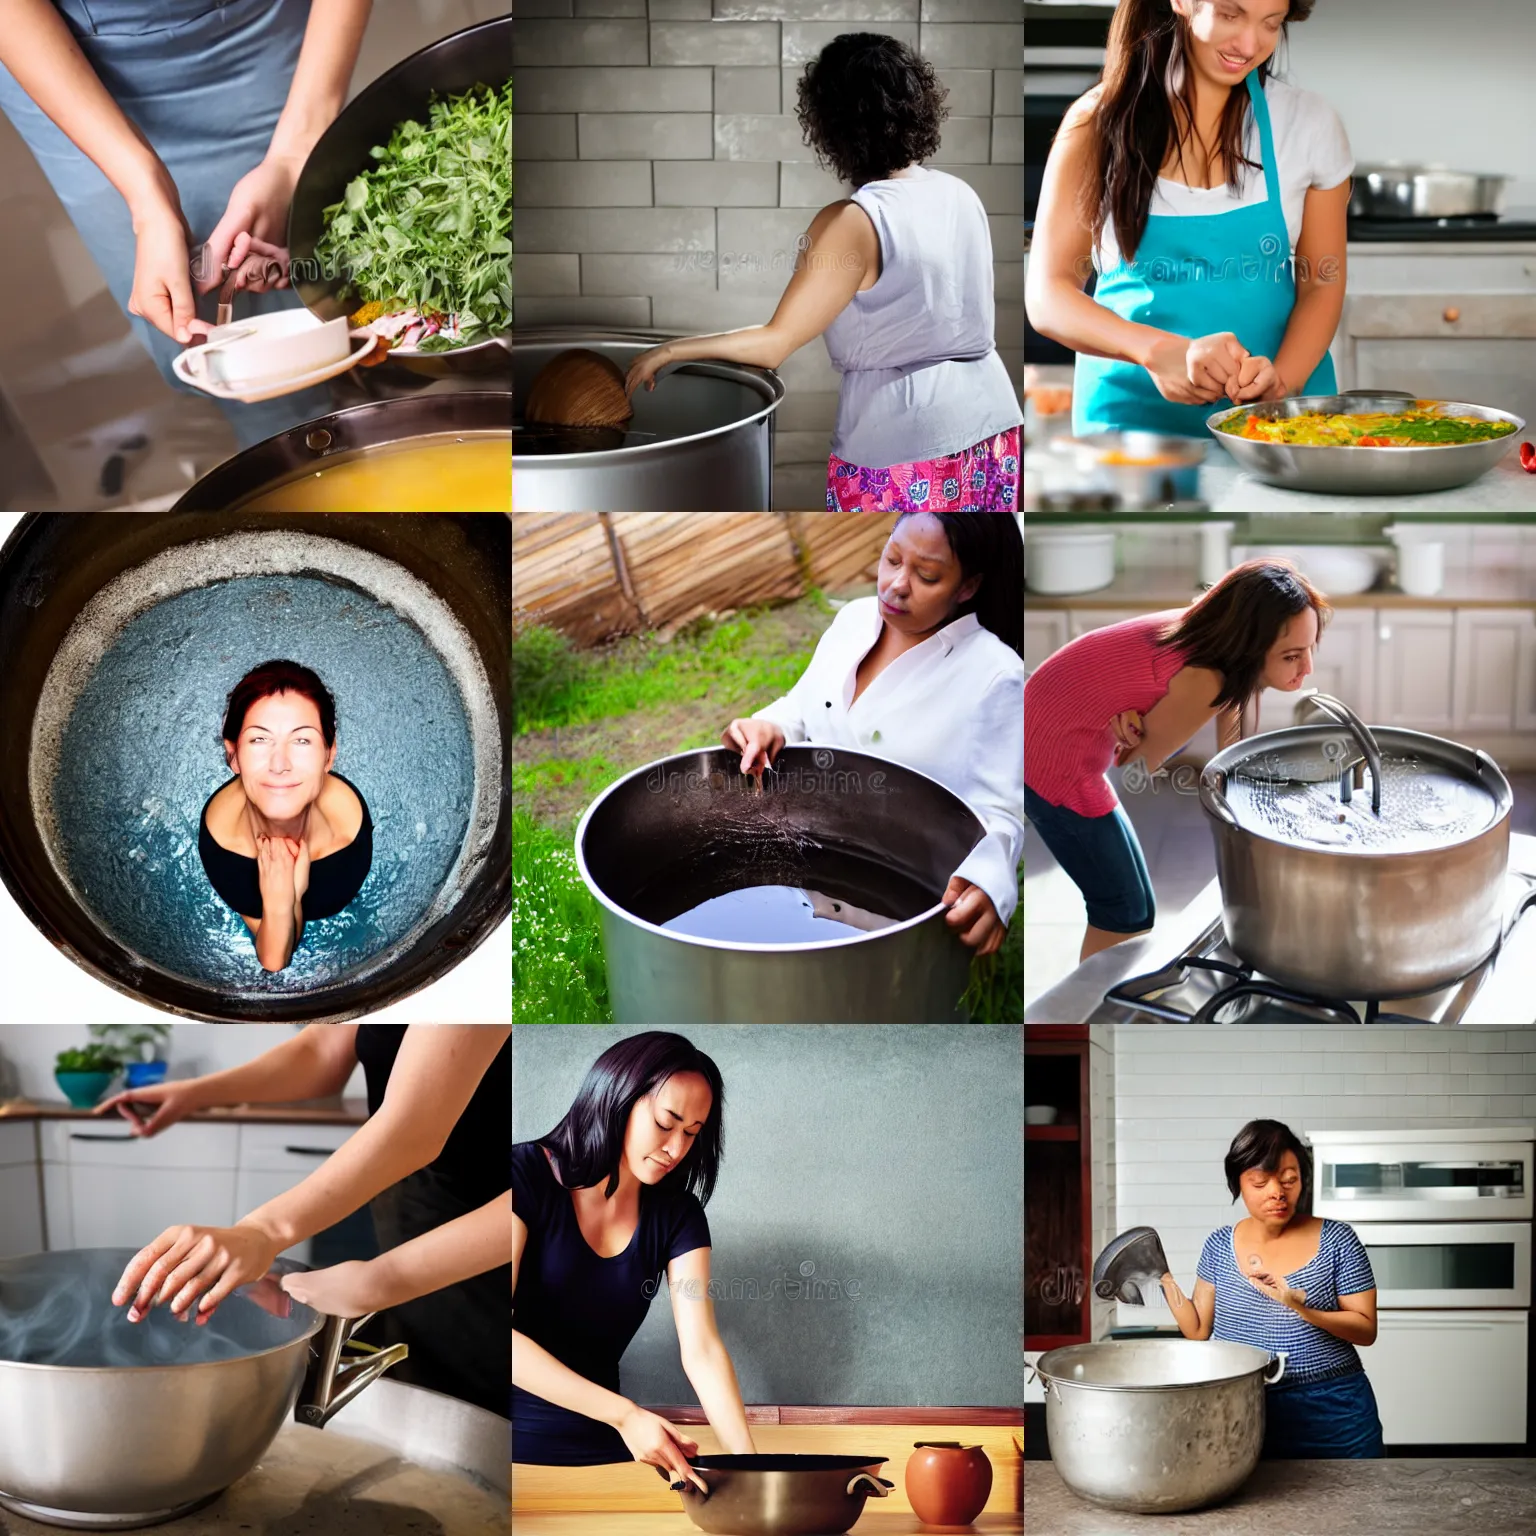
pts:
[1340, 569]
[1040, 1114]
[1064, 561]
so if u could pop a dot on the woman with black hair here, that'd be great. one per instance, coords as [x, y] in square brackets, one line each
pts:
[1288, 1282]
[898, 277]
[1211, 198]
[608, 1201]
[1135, 692]
[929, 673]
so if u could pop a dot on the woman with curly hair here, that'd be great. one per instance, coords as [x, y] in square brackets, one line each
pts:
[1211, 197]
[898, 277]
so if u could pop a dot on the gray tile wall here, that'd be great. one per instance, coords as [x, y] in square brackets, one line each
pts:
[662, 182]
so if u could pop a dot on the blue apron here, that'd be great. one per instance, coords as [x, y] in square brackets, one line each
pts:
[205, 81]
[1197, 277]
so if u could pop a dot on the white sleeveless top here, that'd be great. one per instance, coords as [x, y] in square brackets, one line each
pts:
[921, 375]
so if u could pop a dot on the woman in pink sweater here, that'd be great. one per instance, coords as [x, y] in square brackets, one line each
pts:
[1136, 692]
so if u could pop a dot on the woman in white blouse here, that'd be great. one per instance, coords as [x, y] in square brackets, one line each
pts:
[929, 673]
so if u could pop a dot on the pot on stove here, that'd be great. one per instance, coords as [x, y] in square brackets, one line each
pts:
[1359, 862]
[765, 1495]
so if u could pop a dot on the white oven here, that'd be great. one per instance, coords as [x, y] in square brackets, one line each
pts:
[1435, 1264]
[1481, 1175]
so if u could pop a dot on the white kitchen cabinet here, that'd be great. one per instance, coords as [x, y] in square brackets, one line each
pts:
[1450, 1378]
[1415, 668]
[21, 1200]
[1044, 634]
[273, 1158]
[1525, 675]
[1488, 653]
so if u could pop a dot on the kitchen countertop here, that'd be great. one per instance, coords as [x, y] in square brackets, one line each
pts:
[1504, 1000]
[314, 1482]
[870, 1523]
[1393, 1497]
[1505, 488]
[308, 1112]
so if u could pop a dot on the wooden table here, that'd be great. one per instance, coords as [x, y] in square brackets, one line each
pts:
[870, 1523]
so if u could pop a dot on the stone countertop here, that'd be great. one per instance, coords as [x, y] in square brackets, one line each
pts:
[1172, 587]
[871, 1523]
[306, 1112]
[1505, 488]
[1395, 1497]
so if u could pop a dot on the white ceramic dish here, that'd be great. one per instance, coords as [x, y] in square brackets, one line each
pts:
[359, 343]
[1068, 560]
[1040, 1114]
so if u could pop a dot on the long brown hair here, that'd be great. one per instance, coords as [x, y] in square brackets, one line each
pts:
[1137, 122]
[1231, 628]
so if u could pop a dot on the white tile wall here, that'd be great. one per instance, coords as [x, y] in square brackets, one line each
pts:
[1101, 1110]
[1182, 1092]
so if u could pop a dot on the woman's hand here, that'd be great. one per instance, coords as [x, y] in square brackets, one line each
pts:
[1213, 364]
[653, 1440]
[187, 1262]
[162, 282]
[344, 1290]
[973, 916]
[758, 741]
[252, 231]
[172, 1102]
[1129, 732]
[1276, 1287]
[1171, 1292]
[1258, 379]
[645, 368]
[276, 864]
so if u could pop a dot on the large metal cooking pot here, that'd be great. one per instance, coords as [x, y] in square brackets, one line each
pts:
[1424, 192]
[350, 432]
[781, 1495]
[479, 55]
[53, 565]
[1346, 893]
[1156, 1425]
[701, 441]
[1364, 471]
[112, 1425]
[693, 824]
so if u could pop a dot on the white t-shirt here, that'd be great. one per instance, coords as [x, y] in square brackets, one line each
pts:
[1311, 150]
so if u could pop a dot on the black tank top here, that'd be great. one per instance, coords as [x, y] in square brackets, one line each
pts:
[333, 880]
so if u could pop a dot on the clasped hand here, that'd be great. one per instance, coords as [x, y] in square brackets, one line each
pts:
[1203, 370]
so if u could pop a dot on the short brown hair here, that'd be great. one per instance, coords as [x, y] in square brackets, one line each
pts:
[273, 677]
[1231, 628]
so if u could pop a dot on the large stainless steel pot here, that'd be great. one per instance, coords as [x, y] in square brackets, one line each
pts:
[1341, 893]
[701, 441]
[355, 430]
[781, 1495]
[1365, 471]
[479, 55]
[1424, 192]
[1156, 1425]
[692, 822]
[112, 1425]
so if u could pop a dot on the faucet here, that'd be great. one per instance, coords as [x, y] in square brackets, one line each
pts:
[1345, 716]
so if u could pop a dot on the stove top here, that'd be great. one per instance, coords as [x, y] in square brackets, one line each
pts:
[1517, 225]
[1186, 972]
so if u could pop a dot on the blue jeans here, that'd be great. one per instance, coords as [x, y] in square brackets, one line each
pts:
[1102, 858]
[1332, 1420]
[205, 82]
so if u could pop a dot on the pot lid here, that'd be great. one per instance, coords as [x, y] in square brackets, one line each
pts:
[1310, 786]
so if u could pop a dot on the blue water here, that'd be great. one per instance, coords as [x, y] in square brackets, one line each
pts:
[142, 752]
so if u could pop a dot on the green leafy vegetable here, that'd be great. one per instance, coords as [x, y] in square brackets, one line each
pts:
[430, 224]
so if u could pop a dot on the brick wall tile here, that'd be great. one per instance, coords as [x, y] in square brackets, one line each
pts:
[803, 40]
[801, 447]
[970, 91]
[972, 46]
[1000, 187]
[546, 276]
[748, 90]
[598, 230]
[806, 412]
[612, 90]
[964, 141]
[717, 183]
[680, 10]
[817, 10]
[626, 314]
[584, 184]
[608, 8]
[544, 136]
[715, 42]
[1007, 140]
[529, 9]
[617, 276]
[808, 186]
[537, 44]
[800, 488]
[759, 136]
[646, 135]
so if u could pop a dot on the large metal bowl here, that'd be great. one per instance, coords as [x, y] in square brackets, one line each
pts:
[479, 55]
[701, 441]
[787, 1495]
[112, 1425]
[1364, 471]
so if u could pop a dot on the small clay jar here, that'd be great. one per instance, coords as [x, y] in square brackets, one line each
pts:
[578, 388]
[947, 1482]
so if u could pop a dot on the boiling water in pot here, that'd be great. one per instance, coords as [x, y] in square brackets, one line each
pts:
[777, 914]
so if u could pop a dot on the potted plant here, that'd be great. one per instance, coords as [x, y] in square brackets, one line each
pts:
[140, 1046]
[83, 1073]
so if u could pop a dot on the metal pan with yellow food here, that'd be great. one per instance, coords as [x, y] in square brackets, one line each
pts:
[1366, 442]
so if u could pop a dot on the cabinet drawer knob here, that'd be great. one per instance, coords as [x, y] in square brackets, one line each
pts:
[1452, 315]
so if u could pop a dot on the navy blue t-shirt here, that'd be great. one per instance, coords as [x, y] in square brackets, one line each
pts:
[582, 1308]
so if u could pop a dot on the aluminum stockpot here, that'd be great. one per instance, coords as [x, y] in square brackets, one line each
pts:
[112, 1425]
[695, 818]
[1156, 1426]
[764, 1495]
[1355, 922]
[701, 441]
[1365, 471]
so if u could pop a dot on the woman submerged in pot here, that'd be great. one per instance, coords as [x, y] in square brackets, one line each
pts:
[286, 841]
[604, 1204]
[929, 673]
[1286, 1281]
[1135, 692]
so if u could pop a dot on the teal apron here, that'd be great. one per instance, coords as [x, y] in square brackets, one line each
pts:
[1197, 277]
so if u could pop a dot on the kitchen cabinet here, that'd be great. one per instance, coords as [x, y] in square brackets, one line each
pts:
[1489, 643]
[1415, 671]
[1044, 634]
[1525, 675]
[273, 1158]
[1450, 1378]
[21, 1200]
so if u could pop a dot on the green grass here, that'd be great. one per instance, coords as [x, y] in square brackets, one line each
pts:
[591, 774]
[555, 684]
[996, 992]
[558, 976]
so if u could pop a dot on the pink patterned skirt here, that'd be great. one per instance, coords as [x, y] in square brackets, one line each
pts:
[982, 478]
